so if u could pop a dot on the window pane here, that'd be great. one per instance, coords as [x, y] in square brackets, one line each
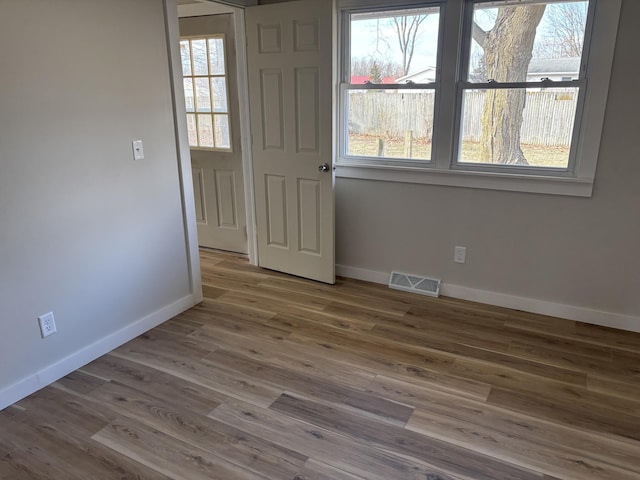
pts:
[205, 91]
[191, 129]
[219, 92]
[527, 42]
[185, 56]
[199, 57]
[203, 95]
[222, 131]
[205, 130]
[188, 94]
[216, 56]
[397, 46]
[494, 132]
[390, 123]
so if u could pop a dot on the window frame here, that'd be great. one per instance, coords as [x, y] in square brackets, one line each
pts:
[209, 77]
[464, 84]
[454, 48]
[345, 86]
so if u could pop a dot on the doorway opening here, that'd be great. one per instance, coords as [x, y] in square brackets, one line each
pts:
[210, 82]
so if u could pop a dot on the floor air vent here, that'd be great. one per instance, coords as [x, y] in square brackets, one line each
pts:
[414, 283]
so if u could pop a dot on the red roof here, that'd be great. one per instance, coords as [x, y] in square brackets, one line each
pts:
[362, 79]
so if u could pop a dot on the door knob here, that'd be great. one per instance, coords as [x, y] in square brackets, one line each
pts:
[324, 167]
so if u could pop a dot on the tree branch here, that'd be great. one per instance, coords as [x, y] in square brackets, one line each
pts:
[479, 35]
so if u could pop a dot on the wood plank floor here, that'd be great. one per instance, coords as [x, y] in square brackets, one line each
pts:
[276, 377]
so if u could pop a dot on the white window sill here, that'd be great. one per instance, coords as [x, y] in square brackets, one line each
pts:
[570, 186]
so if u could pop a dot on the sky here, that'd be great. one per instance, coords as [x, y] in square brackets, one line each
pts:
[377, 37]
[371, 35]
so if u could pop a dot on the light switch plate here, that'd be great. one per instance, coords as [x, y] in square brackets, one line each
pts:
[138, 150]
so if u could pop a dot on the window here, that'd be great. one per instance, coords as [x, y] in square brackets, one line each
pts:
[509, 115]
[205, 92]
[492, 93]
[390, 90]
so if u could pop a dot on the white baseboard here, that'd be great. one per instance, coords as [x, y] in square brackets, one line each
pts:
[50, 374]
[363, 274]
[570, 312]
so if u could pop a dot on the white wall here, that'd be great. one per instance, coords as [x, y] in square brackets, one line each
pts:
[86, 232]
[554, 253]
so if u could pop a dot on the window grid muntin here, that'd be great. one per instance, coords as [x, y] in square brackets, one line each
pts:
[213, 114]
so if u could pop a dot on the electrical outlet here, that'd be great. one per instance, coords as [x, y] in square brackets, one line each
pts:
[47, 324]
[460, 254]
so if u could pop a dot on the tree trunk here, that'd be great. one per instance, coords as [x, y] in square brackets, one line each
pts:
[508, 49]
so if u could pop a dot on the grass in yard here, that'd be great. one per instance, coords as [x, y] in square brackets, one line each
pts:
[536, 155]
[367, 146]
[394, 147]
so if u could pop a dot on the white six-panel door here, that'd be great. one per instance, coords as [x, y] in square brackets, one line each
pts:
[290, 83]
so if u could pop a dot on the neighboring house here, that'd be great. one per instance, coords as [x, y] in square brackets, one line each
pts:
[428, 75]
[362, 79]
[556, 69]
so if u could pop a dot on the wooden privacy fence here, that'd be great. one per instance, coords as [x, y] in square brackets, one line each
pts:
[547, 118]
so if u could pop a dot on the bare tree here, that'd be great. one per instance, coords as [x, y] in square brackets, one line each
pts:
[407, 28]
[565, 31]
[508, 48]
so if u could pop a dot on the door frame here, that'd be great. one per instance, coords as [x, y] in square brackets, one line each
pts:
[245, 133]
[173, 34]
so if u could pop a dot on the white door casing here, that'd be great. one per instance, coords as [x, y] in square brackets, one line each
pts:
[289, 52]
[218, 180]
